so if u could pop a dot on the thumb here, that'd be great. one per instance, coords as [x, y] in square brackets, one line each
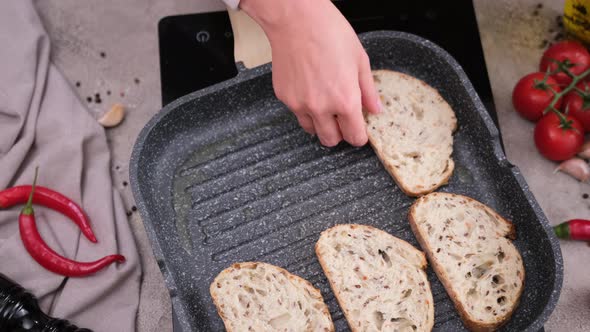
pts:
[369, 95]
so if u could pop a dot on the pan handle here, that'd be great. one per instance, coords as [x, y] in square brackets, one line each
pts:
[250, 43]
[240, 67]
[175, 322]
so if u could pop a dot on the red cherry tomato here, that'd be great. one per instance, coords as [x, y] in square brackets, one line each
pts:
[532, 95]
[577, 104]
[572, 51]
[558, 139]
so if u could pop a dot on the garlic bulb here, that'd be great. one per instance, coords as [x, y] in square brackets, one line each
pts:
[585, 151]
[576, 167]
[113, 117]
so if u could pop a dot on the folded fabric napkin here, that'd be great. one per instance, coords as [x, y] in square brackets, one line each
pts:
[43, 123]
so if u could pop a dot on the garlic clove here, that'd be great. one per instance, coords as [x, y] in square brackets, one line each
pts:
[113, 117]
[585, 151]
[576, 167]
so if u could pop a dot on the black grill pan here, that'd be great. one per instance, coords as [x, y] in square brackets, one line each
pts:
[225, 175]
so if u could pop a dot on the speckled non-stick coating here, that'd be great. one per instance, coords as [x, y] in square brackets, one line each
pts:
[225, 175]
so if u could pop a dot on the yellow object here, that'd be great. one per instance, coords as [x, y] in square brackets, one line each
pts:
[576, 19]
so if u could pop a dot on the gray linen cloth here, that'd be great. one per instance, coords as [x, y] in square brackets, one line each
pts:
[42, 123]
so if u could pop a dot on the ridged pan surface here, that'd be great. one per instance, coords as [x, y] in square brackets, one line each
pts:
[226, 175]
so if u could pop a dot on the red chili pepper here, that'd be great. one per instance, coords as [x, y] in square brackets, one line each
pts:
[51, 199]
[48, 258]
[575, 229]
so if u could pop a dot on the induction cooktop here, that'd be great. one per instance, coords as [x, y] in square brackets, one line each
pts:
[196, 50]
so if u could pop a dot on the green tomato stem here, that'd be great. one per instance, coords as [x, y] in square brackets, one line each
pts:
[570, 87]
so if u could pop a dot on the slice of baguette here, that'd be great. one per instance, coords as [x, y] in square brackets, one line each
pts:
[378, 279]
[254, 296]
[468, 245]
[413, 136]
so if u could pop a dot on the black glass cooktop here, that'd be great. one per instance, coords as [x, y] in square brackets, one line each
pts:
[197, 50]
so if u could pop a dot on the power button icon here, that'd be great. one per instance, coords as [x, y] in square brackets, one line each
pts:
[203, 36]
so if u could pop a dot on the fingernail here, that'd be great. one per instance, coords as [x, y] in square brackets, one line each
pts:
[379, 106]
[361, 141]
[328, 143]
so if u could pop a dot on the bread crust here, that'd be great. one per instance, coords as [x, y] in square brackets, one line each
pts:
[471, 324]
[392, 170]
[336, 293]
[347, 314]
[316, 293]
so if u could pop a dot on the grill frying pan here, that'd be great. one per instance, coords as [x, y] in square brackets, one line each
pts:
[225, 174]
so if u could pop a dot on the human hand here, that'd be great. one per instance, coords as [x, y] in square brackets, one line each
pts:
[320, 69]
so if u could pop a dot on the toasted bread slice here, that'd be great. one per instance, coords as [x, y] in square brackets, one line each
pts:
[378, 279]
[413, 136]
[256, 296]
[469, 247]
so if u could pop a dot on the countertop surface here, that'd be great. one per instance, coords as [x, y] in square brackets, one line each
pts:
[112, 46]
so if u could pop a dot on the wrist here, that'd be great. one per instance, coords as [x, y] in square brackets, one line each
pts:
[275, 16]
